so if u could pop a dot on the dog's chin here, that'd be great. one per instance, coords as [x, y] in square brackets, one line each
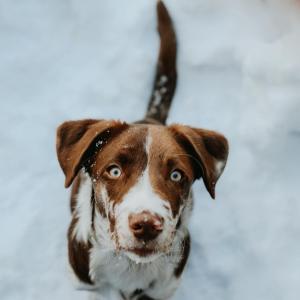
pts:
[140, 255]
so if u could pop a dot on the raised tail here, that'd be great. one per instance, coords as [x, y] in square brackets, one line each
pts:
[166, 75]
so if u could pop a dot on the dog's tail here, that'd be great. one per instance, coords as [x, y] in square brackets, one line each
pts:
[166, 75]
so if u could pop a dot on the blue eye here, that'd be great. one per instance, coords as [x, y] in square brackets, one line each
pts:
[114, 172]
[176, 176]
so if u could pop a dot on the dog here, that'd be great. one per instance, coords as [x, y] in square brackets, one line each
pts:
[131, 190]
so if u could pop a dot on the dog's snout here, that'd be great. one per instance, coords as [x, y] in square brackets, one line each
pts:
[145, 226]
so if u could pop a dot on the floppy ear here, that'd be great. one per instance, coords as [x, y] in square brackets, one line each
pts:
[208, 149]
[78, 141]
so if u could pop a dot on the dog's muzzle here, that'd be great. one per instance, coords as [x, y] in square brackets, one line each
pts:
[145, 226]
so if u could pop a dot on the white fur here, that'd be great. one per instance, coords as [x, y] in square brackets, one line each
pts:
[115, 271]
[148, 145]
[83, 210]
[141, 197]
[219, 167]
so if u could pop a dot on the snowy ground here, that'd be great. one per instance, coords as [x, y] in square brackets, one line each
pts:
[239, 73]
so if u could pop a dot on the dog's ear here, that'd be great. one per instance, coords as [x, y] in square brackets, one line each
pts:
[208, 150]
[78, 141]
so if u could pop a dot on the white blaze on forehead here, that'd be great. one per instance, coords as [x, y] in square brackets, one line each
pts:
[141, 197]
[148, 144]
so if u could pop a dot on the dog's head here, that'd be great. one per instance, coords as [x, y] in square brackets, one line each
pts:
[141, 176]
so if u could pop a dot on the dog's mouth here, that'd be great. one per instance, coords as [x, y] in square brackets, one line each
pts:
[140, 251]
[142, 255]
[143, 252]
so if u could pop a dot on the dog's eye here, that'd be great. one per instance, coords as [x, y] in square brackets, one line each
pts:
[176, 176]
[114, 171]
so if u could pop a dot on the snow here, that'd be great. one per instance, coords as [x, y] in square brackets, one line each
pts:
[239, 73]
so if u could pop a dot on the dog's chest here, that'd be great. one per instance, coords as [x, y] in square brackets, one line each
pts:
[125, 275]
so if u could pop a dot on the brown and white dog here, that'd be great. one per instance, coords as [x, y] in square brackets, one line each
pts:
[131, 194]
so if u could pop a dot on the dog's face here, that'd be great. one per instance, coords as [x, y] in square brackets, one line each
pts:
[141, 176]
[143, 184]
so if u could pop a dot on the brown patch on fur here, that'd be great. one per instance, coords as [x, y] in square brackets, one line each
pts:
[163, 159]
[99, 202]
[185, 254]
[206, 148]
[112, 222]
[79, 256]
[100, 208]
[77, 142]
[127, 152]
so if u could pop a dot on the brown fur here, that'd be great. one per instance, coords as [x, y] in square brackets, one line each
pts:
[127, 152]
[186, 244]
[166, 67]
[205, 147]
[77, 142]
[164, 158]
[79, 255]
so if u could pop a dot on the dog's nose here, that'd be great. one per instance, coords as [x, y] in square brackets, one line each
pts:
[145, 226]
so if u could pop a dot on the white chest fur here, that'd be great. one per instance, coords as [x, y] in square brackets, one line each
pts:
[118, 272]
